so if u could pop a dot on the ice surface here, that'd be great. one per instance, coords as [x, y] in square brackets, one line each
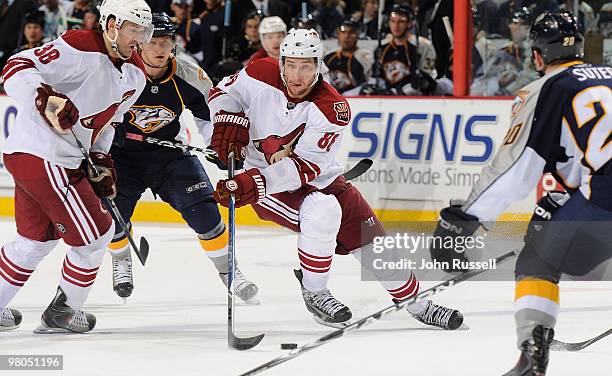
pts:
[175, 322]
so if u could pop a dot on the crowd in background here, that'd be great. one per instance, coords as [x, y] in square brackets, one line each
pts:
[409, 54]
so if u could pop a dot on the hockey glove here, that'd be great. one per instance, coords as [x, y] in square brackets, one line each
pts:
[454, 227]
[103, 178]
[543, 212]
[222, 166]
[248, 187]
[230, 133]
[56, 109]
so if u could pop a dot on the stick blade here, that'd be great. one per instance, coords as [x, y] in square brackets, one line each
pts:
[559, 346]
[244, 343]
[143, 251]
[361, 167]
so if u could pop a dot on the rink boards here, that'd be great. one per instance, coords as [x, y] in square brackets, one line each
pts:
[426, 151]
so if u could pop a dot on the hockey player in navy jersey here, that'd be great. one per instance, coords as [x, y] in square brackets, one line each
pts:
[177, 177]
[80, 83]
[560, 124]
[289, 143]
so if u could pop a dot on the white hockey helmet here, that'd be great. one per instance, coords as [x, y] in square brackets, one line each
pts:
[302, 43]
[135, 11]
[272, 24]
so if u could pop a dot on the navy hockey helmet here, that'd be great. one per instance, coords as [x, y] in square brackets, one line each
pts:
[163, 25]
[555, 35]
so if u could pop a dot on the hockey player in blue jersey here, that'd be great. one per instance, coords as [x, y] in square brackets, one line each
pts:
[562, 124]
[177, 177]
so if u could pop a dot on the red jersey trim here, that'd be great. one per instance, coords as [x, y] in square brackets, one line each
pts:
[93, 41]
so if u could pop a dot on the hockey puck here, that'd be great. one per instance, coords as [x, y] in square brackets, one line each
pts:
[288, 346]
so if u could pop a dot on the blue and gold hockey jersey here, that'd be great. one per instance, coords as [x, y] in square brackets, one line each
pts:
[561, 123]
[156, 112]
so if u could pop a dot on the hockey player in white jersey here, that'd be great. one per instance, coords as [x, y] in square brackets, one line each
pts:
[289, 144]
[74, 86]
[560, 124]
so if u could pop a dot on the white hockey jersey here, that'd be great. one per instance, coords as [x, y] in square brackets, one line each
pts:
[77, 65]
[292, 142]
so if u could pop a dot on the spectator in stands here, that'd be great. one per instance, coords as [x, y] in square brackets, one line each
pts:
[245, 45]
[12, 13]
[91, 20]
[240, 8]
[156, 5]
[489, 15]
[483, 51]
[406, 64]
[272, 30]
[349, 66]
[507, 8]
[510, 69]
[188, 34]
[368, 19]
[34, 24]
[328, 14]
[78, 8]
[211, 27]
[56, 18]
[605, 20]
[586, 17]
[439, 35]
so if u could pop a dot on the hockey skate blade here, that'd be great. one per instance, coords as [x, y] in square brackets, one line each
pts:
[335, 325]
[8, 328]
[43, 329]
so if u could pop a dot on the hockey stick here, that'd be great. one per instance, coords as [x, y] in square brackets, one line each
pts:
[238, 343]
[376, 316]
[577, 346]
[357, 170]
[143, 251]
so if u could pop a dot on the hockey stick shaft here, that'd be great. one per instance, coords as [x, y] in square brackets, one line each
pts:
[361, 167]
[238, 343]
[376, 316]
[231, 253]
[577, 346]
[142, 252]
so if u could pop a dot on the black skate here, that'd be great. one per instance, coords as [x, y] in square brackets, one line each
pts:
[245, 289]
[440, 316]
[9, 319]
[123, 282]
[534, 353]
[60, 318]
[326, 309]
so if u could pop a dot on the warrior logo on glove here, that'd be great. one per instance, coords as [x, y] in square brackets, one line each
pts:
[231, 185]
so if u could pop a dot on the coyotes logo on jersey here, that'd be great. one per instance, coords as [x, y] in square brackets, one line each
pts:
[276, 147]
[148, 119]
[98, 121]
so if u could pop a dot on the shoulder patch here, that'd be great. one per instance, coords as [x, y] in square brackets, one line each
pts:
[343, 113]
[333, 105]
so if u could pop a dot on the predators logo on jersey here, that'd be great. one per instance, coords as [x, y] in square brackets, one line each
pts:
[148, 119]
[276, 147]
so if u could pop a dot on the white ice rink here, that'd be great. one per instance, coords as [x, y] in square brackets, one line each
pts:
[175, 322]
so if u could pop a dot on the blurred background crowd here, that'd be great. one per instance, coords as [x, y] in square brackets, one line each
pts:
[373, 47]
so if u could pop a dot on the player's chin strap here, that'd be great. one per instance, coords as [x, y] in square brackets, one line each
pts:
[114, 45]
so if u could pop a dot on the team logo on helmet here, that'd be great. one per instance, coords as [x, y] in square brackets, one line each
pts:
[276, 147]
[342, 112]
[148, 119]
